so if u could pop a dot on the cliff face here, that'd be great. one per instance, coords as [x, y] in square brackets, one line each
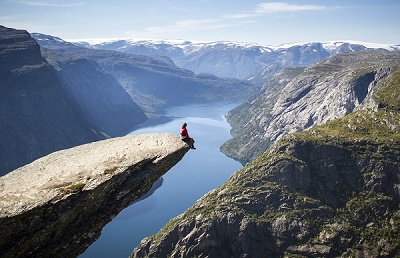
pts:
[36, 116]
[99, 96]
[330, 191]
[56, 206]
[293, 101]
[248, 120]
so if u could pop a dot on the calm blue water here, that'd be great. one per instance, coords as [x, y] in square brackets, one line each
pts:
[200, 171]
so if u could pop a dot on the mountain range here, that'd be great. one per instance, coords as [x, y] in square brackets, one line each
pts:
[235, 59]
[153, 81]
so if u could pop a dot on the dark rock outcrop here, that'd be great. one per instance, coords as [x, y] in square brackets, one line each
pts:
[330, 191]
[36, 116]
[56, 206]
[292, 101]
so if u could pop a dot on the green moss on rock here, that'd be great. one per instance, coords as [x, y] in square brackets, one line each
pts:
[389, 95]
[74, 188]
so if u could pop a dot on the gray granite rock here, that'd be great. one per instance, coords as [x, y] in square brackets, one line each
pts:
[293, 101]
[57, 205]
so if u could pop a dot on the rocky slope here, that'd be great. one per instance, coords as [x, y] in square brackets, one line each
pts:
[56, 206]
[294, 100]
[36, 115]
[235, 59]
[330, 191]
[248, 119]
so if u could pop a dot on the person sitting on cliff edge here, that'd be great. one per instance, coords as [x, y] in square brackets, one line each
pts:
[186, 138]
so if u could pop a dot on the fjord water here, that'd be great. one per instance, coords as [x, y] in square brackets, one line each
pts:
[199, 171]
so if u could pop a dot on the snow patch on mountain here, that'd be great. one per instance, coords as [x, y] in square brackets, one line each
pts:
[193, 45]
[233, 59]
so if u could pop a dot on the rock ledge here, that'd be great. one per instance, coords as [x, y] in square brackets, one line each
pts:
[58, 204]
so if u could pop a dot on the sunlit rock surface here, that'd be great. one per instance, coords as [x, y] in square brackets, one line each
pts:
[56, 206]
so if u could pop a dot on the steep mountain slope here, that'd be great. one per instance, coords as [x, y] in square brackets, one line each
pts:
[331, 191]
[36, 115]
[233, 59]
[154, 81]
[100, 97]
[292, 102]
[248, 120]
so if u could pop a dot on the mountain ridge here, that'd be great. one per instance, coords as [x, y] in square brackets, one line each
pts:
[185, 43]
[153, 81]
[237, 59]
[299, 100]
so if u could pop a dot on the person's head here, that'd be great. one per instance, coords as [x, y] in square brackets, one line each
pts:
[184, 125]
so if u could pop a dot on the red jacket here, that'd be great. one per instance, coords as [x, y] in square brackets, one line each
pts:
[184, 133]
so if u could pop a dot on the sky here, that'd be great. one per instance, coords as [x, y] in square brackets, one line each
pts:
[262, 22]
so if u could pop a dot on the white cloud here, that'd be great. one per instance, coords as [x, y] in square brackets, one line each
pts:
[229, 20]
[273, 7]
[277, 7]
[240, 15]
[49, 3]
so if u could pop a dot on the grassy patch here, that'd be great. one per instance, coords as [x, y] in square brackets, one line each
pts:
[75, 188]
[389, 94]
[370, 219]
[367, 125]
[110, 171]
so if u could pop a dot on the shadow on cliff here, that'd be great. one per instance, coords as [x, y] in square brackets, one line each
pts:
[141, 208]
[66, 226]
